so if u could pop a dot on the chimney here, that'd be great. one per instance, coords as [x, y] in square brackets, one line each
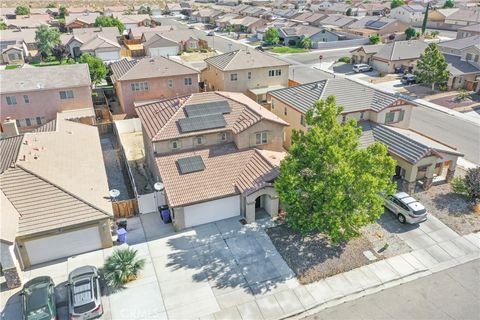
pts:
[10, 127]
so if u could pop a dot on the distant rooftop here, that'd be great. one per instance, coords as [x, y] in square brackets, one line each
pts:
[244, 59]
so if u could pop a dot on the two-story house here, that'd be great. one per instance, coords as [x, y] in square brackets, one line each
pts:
[143, 80]
[216, 153]
[33, 96]
[251, 72]
[409, 14]
[382, 116]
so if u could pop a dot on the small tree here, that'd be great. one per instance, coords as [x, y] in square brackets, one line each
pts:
[449, 4]
[122, 266]
[46, 38]
[106, 21]
[22, 11]
[349, 12]
[3, 25]
[326, 182]
[52, 5]
[469, 185]
[98, 69]
[272, 36]
[306, 43]
[374, 39]
[432, 67]
[396, 3]
[410, 33]
[62, 12]
[434, 33]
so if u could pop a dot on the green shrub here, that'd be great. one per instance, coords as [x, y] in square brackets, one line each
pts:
[50, 59]
[345, 59]
[122, 266]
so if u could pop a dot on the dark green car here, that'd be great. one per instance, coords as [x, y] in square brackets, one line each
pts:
[38, 299]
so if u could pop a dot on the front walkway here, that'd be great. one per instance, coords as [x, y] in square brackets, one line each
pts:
[226, 270]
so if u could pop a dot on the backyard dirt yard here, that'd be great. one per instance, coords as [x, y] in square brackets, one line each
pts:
[451, 101]
[312, 257]
[196, 56]
[451, 208]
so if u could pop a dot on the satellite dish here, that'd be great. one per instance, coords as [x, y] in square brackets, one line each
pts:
[158, 186]
[114, 193]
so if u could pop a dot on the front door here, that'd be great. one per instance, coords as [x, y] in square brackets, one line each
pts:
[258, 203]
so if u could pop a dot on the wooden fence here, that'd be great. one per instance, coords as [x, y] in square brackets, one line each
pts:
[125, 208]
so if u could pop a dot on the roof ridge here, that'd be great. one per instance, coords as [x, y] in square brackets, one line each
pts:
[235, 52]
[63, 190]
[180, 108]
[130, 64]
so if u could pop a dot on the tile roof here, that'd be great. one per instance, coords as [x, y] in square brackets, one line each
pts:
[9, 148]
[413, 8]
[472, 27]
[352, 96]
[244, 59]
[145, 68]
[42, 205]
[404, 143]
[159, 41]
[461, 43]
[47, 127]
[337, 20]
[228, 171]
[86, 18]
[27, 35]
[28, 79]
[373, 48]
[85, 35]
[137, 32]
[132, 18]
[99, 42]
[401, 50]
[457, 66]
[465, 15]
[161, 119]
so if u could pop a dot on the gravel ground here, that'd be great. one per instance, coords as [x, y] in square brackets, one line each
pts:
[312, 257]
[452, 209]
[381, 232]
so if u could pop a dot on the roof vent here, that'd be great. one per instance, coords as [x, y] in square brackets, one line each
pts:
[317, 85]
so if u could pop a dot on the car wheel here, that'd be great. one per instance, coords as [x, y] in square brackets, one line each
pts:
[401, 218]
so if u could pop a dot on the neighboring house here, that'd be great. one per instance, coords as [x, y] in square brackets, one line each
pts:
[7, 13]
[12, 52]
[134, 20]
[336, 21]
[381, 26]
[312, 18]
[205, 15]
[285, 13]
[50, 11]
[246, 24]
[34, 96]
[364, 54]
[29, 22]
[375, 9]
[154, 9]
[254, 11]
[223, 21]
[384, 118]
[468, 31]
[137, 81]
[86, 20]
[137, 33]
[101, 42]
[160, 46]
[437, 17]
[23, 39]
[463, 17]
[177, 8]
[76, 11]
[231, 3]
[114, 10]
[48, 213]
[250, 72]
[409, 14]
[335, 8]
[218, 169]
[292, 36]
[463, 58]
[186, 39]
[398, 56]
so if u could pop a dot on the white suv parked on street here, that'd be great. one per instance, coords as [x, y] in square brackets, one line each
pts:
[361, 67]
[406, 208]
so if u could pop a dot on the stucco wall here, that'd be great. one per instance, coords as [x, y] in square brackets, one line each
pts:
[157, 89]
[45, 103]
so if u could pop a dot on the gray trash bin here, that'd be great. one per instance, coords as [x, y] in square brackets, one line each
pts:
[122, 235]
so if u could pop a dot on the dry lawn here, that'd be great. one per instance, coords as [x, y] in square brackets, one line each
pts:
[196, 56]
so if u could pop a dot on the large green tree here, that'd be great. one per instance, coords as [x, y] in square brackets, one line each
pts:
[449, 4]
[22, 11]
[396, 3]
[432, 67]
[410, 33]
[98, 69]
[46, 38]
[272, 36]
[326, 182]
[62, 12]
[107, 21]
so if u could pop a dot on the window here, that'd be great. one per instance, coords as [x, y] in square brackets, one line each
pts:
[11, 100]
[394, 116]
[273, 104]
[175, 144]
[271, 73]
[139, 86]
[362, 115]
[28, 122]
[249, 75]
[233, 77]
[285, 111]
[170, 83]
[278, 72]
[26, 99]
[188, 81]
[223, 136]
[302, 120]
[39, 120]
[66, 94]
[469, 57]
[198, 141]
[261, 138]
[476, 58]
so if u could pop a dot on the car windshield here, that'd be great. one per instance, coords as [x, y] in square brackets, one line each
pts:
[39, 314]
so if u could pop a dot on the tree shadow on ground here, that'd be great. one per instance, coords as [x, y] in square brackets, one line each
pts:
[343, 68]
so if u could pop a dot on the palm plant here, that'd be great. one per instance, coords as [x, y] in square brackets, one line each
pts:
[122, 266]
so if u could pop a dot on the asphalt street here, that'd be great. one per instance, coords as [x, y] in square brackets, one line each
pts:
[452, 294]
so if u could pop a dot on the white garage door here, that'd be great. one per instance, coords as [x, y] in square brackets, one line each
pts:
[212, 211]
[63, 245]
[163, 52]
[108, 55]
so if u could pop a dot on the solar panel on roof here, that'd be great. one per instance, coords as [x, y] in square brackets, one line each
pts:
[202, 122]
[190, 164]
[202, 109]
[376, 24]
